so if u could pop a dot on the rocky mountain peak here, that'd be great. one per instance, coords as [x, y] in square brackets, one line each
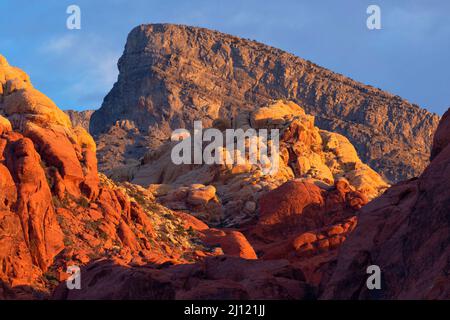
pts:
[171, 75]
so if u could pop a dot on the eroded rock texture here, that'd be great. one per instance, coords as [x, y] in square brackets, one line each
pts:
[171, 75]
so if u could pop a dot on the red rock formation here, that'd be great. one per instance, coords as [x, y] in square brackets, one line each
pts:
[227, 195]
[406, 232]
[441, 136]
[231, 242]
[31, 235]
[41, 231]
[56, 211]
[305, 224]
[300, 230]
[298, 206]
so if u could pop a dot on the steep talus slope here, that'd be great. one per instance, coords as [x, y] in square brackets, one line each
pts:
[171, 75]
[406, 232]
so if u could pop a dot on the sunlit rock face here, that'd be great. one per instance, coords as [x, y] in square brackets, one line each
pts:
[228, 194]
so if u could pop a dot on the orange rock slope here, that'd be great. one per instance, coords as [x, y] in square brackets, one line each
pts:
[56, 211]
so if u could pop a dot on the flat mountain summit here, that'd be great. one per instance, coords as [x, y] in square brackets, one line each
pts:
[171, 75]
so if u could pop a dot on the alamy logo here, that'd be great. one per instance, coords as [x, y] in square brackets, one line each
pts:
[74, 280]
[374, 280]
[255, 147]
[74, 20]
[373, 22]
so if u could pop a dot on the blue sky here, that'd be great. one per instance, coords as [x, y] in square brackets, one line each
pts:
[409, 56]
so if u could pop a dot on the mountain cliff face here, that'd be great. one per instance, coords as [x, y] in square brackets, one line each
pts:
[171, 75]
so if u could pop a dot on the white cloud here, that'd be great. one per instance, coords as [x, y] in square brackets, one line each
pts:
[60, 44]
[89, 61]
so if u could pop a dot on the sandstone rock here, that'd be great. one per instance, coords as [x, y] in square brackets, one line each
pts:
[232, 243]
[306, 225]
[275, 115]
[30, 104]
[303, 239]
[296, 207]
[41, 232]
[84, 139]
[442, 135]
[190, 221]
[58, 151]
[198, 199]
[5, 125]
[201, 195]
[306, 153]
[282, 208]
[3, 61]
